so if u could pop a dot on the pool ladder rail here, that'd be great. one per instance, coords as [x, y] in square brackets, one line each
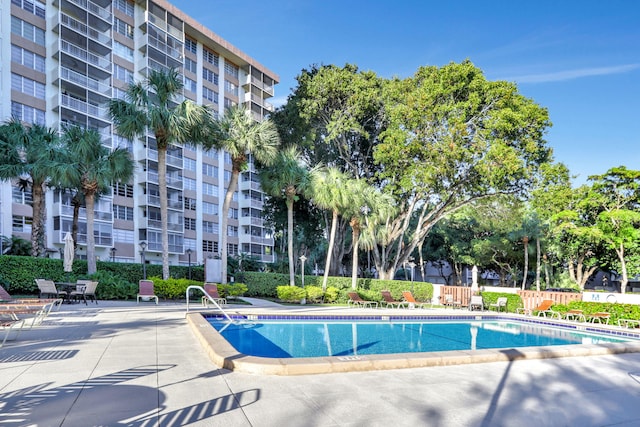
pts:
[214, 302]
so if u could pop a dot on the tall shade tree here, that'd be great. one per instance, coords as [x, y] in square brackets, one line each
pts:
[92, 169]
[328, 192]
[618, 195]
[453, 137]
[288, 176]
[30, 155]
[240, 135]
[152, 104]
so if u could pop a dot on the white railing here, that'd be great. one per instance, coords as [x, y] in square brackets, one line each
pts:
[94, 8]
[85, 29]
[214, 302]
[96, 85]
[89, 57]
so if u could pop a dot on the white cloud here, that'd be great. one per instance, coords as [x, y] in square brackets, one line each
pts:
[573, 74]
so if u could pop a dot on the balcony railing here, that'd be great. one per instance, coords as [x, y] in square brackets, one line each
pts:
[93, 84]
[85, 29]
[91, 58]
[94, 8]
[66, 210]
[85, 107]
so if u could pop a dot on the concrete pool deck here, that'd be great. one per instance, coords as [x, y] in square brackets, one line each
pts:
[123, 364]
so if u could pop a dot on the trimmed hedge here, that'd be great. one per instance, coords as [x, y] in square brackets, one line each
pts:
[513, 300]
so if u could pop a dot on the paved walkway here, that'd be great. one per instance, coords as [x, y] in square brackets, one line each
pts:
[119, 364]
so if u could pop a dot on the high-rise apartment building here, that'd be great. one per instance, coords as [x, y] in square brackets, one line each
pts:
[62, 61]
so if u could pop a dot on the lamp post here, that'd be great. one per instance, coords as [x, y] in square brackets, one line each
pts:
[113, 254]
[143, 247]
[189, 257]
[302, 260]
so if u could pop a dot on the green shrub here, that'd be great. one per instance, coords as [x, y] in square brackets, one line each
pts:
[331, 295]
[513, 300]
[314, 293]
[290, 293]
[232, 290]
[112, 286]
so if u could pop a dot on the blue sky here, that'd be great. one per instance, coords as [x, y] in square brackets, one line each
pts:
[578, 58]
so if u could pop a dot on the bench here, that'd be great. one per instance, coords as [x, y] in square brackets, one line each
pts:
[629, 323]
[599, 316]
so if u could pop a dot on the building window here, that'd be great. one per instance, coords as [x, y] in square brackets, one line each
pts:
[124, 190]
[124, 236]
[209, 227]
[190, 85]
[189, 204]
[122, 74]
[123, 28]
[230, 88]
[123, 212]
[209, 76]
[190, 45]
[209, 208]
[121, 142]
[123, 51]
[190, 164]
[27, 58]
[21, 197]
[35, 7]
[227, 176]
[229, 103]
[233, 213]
[232, 230]
[125, 6]
[26, 113]
[190, 65]
[209, 170]
[28, 31]
[210, 95]
[190, 224]
[232, 248]
[27, 86]
[21, 224]
[189, 184]
[210, 56]
[209, 246]
[210, 189]
[231, 69]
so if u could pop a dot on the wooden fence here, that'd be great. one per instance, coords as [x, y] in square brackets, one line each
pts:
[459, 293]
[532, 299]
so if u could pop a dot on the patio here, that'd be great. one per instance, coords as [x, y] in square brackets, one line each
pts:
[125, 364]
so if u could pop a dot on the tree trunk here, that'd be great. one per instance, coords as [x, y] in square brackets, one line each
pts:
[332, 236]
[538, 264]
[525, 243]
[75, 201]
[164, 209]
[224, 250]
[37, 221]
[292, 273]
[355, 227]
[623, 268]
[91, 241]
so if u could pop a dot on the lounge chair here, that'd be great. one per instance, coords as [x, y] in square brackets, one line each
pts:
[48, 288]
[543, 310]
[575, 315]
[211, 290]
[356, 301]
[84, 289]
[476, 303]
[390, 301]
[145, 291]
[8, 326]
[35, 311]
[500, 303]
[599, 317]
[450, 302]
[408, 297]
[629, 323]
[6, 298]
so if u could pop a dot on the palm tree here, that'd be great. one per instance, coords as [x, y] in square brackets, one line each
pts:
[368, 207]
[287, 177]
[92, 169]
[14, 245]
[328, 193]
[240, 135]
[152, 104]
[32, 152]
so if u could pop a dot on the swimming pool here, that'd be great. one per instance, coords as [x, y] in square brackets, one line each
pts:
[320, 338]
[476, 339]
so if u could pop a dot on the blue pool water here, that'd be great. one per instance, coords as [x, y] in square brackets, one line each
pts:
[285, 339]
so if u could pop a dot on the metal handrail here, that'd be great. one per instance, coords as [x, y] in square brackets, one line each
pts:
[210, 299]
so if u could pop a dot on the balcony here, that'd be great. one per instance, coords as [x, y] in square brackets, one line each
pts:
[249, 185]
[85, 30]
[84, 107]
[102, 62]
[84, 81]
[156, 224]
[67, 211]
[250, 220]
[97, 10]
[147, 40]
